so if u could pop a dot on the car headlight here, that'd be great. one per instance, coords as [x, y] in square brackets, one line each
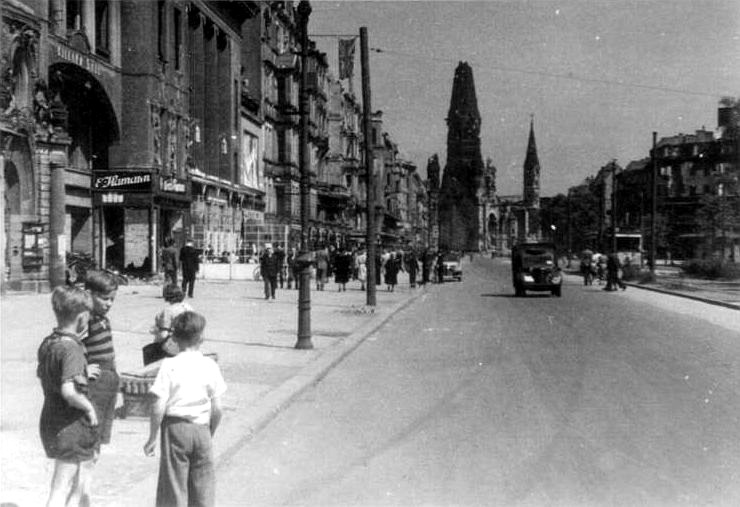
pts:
[528, 278]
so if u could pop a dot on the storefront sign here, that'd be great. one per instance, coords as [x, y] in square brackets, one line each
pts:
[254, 216]
[122, 182]
[172, 185]
[70, 55]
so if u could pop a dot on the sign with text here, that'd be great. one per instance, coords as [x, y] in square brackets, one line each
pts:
[122, 181]
[172, 185]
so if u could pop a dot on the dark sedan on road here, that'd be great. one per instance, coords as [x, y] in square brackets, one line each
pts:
[534, 267]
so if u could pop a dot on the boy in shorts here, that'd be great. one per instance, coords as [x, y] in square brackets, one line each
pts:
[68, 423]
[186, 405]
[104, 388]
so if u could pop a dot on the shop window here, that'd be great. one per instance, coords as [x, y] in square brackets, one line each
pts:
[102, 28]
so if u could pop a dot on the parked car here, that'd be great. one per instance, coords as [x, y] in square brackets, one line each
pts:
[453, 265]
[534, 267]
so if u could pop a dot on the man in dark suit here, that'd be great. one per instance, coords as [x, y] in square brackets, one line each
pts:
[190, 263]
[269, 270]
[169, 262]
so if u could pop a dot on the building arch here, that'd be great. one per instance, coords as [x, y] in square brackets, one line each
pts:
[92, 124]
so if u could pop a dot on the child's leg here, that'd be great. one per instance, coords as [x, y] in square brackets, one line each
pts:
[175, 450]
[81, 490]
[62, 482]
[202, 480]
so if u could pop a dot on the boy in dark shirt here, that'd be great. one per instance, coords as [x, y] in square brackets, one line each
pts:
[68, 423]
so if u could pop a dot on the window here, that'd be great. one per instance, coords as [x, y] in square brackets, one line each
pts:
[177, 49]
[161, 49]
[74, 14]
[102, 28]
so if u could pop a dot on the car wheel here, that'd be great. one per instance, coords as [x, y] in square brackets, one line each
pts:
[519, 291]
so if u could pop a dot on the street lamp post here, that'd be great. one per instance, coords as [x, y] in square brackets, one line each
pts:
[304, 258]
[653, 202]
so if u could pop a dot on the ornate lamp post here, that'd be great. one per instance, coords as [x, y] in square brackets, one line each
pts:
[304, 258]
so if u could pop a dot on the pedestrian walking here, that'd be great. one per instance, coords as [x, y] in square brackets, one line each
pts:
[104, 389]
[280, 254]
[291, 265]
[342, 268]
[425, 265]
[587, 269]
[412, 266]
[322, 268]
[163, 344]
[169, 263]
[378, 268]
[269, 268]
[361, 267]
[68, 422]
[440, 268]
[613, 280]
[190, 264]
[392, 266]
[186, 409]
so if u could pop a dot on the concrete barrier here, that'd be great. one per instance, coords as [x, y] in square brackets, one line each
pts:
[229, 271]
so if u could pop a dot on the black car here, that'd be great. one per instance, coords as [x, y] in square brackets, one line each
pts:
[534, 267]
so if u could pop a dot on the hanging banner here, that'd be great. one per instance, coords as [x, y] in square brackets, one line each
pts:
[346, 58]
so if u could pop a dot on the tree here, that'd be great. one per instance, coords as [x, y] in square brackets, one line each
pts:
[717, 217]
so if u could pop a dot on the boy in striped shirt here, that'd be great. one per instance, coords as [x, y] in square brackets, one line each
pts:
[101, 357]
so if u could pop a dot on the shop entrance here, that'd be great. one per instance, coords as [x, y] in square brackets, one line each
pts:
[114, 219]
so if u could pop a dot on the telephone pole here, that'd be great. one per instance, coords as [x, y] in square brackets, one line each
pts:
[653, 203]
[370, 237]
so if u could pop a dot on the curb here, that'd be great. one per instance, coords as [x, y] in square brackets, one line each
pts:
[268, 407]
[684, 295]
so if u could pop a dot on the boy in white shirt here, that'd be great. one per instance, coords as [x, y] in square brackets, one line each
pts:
[187, 406]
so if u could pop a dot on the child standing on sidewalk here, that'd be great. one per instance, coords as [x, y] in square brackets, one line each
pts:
[68, 419]
[104, 390]
[187, 406]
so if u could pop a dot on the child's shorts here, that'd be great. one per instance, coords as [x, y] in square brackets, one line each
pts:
[103, 392]
[77, 441]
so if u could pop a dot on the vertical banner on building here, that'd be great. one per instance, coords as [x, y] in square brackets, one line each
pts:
[346, 58]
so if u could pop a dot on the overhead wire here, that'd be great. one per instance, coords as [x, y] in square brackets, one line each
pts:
[569, 76]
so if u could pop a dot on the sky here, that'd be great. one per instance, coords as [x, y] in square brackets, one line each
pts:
[598, 76]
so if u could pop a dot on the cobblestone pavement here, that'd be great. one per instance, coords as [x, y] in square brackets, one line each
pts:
[254, 340]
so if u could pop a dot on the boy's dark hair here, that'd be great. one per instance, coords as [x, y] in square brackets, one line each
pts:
[187, 328]
[69, 302]
[100, 282]
[173, 293]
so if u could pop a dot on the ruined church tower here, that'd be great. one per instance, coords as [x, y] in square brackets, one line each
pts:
[531, 172]
[458, 203]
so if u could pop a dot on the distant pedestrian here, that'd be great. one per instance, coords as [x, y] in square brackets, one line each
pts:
[392, 266]
[322, 268]
[269, 268]
[613, 267]
[186, 406]
[587, 270]
[425, 264]
[169, 262]
[440, 268]
[342, 268]
[361, 267]
[291, 265]
[412, 266]
[378, 268]
[68, 423]
[163, 344]
[190, 263]
[280, 254]
[104, 389]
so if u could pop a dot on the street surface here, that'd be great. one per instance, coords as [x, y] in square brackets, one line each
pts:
[473, 397]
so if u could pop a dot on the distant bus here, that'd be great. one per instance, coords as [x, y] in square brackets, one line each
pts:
[629, 246]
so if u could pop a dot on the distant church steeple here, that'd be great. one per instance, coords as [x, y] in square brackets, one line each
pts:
[531, 192]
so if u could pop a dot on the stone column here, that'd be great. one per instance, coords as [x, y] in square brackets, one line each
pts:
[56, 157]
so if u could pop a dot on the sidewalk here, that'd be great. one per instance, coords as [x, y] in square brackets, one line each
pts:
[670, 280]
[254, 339]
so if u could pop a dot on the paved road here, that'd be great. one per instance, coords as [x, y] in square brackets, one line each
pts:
[474, 397]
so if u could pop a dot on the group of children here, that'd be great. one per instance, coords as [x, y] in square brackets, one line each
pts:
[77, 370]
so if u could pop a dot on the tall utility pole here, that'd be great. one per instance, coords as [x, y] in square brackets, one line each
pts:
[370, 237]
[304, 260]
[653, 202]
[614, 206]
[570, 228]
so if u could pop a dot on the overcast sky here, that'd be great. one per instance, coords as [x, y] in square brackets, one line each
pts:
[599, 75]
